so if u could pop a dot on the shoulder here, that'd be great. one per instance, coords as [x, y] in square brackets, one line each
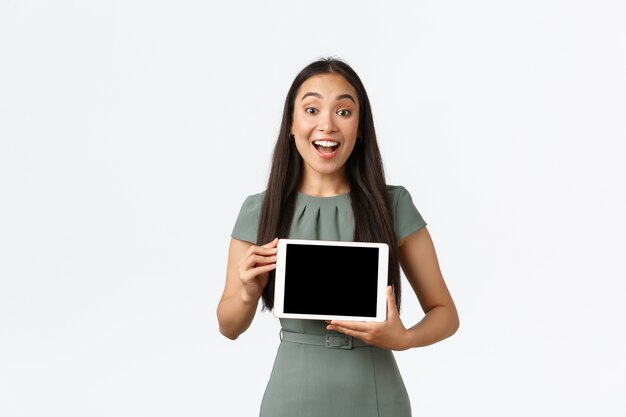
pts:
[253, 201]
[248, 218]
[407, 218]
[395, 189]
[397, 193]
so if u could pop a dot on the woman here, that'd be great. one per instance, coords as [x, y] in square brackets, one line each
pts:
[327, 182]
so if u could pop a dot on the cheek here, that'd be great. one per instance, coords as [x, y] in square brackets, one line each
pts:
[302, 145]
[300, 124]
[351, 129]
[353, 123]
[349, 148]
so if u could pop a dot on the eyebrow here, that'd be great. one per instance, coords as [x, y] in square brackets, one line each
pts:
[318, 95]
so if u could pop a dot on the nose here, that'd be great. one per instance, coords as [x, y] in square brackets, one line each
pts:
[327, 123]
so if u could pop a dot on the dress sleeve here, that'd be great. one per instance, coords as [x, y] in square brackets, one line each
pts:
[407, 219]
[248, 219]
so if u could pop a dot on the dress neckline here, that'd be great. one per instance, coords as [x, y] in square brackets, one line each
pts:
[325, 198]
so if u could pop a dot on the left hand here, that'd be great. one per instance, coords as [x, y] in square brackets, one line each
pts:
[389, 334]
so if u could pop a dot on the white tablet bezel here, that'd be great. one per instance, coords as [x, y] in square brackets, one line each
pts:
[279, 288]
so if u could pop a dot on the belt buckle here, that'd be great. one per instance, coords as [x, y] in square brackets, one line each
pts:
[338, 341]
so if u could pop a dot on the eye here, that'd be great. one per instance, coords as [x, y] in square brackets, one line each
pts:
[343, 112]
[311, 110]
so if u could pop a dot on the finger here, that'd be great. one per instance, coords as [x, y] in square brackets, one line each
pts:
[267, 249]
[260, 259]
[255, 260]
[260, 250]
[357, 326]
[262, 269]
[392, 307]
[349, 332]
[271, 244]
[251, 274]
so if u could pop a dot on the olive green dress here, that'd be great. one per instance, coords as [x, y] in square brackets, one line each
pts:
[310, 380]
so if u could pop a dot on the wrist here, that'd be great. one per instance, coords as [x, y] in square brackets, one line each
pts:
[246, 299]
[406, 340]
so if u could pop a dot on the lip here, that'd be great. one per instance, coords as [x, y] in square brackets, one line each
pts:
[326, 155]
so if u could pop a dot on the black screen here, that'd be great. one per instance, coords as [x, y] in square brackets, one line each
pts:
[331, 280]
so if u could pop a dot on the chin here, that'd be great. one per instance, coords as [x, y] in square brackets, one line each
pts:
[328, 170]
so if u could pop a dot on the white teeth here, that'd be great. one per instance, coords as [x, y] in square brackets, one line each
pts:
[326, 143]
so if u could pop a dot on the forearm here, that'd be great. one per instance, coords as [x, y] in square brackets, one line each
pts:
[439, 323]
[235, 314]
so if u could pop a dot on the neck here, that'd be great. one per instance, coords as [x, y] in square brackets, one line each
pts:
[324, 185]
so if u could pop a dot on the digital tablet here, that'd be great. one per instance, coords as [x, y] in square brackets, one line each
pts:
[325, 280]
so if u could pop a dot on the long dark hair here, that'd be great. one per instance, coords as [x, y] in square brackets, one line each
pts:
[373, 221]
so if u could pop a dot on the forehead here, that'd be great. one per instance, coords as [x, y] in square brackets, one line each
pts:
[327, 85]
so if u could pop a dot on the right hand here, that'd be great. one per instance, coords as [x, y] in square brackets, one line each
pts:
[254, 269]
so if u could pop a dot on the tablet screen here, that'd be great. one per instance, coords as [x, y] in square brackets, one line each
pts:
[331, 280]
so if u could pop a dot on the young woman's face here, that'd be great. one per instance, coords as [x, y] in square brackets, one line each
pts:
[325, 123]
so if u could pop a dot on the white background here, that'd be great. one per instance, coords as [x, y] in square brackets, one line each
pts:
[131, 132]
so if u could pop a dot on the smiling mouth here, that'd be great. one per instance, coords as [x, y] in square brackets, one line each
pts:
[326, 147]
